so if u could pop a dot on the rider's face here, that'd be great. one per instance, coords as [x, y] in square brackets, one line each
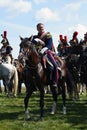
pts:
[40, 29]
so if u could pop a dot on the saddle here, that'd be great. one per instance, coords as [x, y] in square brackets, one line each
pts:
[46, 63]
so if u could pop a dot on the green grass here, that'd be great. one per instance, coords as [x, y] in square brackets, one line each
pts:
[12, 115]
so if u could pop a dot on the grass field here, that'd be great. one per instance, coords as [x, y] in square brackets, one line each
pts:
[12, 115]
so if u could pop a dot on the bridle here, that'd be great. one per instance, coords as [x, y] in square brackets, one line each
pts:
[30, 56]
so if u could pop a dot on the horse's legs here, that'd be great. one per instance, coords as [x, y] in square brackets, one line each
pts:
[86, 87]
[0, 87]
[63, 94]
[5, 90]
[20, 81]
[19, 86]
[6, 84]
[69, 83]
[54, 94]
[10, 86]
[41, 89]
[26, 100]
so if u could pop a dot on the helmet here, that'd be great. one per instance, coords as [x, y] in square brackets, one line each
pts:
[4, 36]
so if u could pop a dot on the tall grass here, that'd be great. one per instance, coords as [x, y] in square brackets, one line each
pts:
[12, 115]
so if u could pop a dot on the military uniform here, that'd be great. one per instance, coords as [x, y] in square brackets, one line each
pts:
[48, 49]
[6, 49]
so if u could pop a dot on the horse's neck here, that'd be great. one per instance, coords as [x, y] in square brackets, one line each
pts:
[20, 67]
[35, 58]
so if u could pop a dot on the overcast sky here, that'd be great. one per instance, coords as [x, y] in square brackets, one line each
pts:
[20, 17]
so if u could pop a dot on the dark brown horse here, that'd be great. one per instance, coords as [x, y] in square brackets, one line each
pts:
[36, 77]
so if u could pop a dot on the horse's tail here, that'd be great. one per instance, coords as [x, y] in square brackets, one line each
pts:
[15, 79]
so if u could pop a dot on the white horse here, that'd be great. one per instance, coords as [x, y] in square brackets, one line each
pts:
[8, 73]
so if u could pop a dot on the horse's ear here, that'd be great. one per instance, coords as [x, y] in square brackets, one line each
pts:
[30, 38]
[21, 38]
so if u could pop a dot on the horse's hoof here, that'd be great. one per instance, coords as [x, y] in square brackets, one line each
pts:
[28, 119]
[27, 116]
[41, 118]
[54, 108]
[7, 95]
[52, 113]
[64, 110]
[15, 95]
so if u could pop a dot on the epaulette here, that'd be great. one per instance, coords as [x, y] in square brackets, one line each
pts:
[48, 35]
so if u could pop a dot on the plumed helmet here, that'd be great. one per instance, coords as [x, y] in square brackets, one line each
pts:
[75, 34]
[5, 34]
[60, 37]
[65, 38]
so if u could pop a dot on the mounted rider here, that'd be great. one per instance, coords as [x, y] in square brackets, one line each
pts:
[62, 46]
[6, 49]
[44, 44]
[74, 41]
[84, 41]
[47, 51]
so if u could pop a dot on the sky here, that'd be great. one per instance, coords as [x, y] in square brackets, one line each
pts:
[20, 17]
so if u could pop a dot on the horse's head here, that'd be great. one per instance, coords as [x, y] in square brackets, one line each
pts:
[29, 51]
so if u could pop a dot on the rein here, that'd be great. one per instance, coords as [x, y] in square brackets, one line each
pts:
[31, 64]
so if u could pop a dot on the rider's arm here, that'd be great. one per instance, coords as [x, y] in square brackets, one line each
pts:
[38, 41]
[49, 41]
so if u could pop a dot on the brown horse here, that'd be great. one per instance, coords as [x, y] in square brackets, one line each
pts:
[36, 77]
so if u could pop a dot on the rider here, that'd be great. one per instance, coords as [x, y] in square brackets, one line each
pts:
[74, 41]
[6, 49]
[62, 46]
[84, 41]
[48, 49]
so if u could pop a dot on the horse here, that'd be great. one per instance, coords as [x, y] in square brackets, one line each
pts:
[19, 66]
[36, 77]
[83, 68]
[9, 76]
[76, 63]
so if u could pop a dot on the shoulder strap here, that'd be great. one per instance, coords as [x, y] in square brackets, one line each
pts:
[43, 35]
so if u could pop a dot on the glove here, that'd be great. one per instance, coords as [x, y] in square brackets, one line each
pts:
[43, 50]
[38, 41]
